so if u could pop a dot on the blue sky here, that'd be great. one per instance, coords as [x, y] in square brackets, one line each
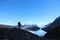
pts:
[29, 11]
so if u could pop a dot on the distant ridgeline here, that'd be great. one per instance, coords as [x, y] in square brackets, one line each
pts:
[52, 25]
[6, 26]
[29, 27]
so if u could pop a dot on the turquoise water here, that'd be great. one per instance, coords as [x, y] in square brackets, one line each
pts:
[40, 32]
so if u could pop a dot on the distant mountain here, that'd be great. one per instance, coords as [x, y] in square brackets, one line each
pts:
[23, 26]
[47, 25]
[33, 28]
[6, 26]
[53, 25]
[29, 27]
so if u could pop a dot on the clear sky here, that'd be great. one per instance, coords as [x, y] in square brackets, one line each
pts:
[29, 11]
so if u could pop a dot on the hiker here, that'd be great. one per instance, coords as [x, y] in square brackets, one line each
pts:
[19, 24]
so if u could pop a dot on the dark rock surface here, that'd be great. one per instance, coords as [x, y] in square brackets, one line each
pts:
[53, 34]
[17, 34]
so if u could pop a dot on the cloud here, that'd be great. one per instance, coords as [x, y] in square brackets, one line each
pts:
[30, 22]
[41, 24]
[10, 21]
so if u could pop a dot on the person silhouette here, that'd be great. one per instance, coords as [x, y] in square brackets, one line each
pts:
[19, 24]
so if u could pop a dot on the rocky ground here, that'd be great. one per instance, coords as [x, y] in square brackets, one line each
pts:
[17, 34]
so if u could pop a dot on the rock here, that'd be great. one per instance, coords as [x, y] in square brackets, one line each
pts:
[17, 34]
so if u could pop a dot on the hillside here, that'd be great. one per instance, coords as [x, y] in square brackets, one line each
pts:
[17, 34]
[53, 25]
